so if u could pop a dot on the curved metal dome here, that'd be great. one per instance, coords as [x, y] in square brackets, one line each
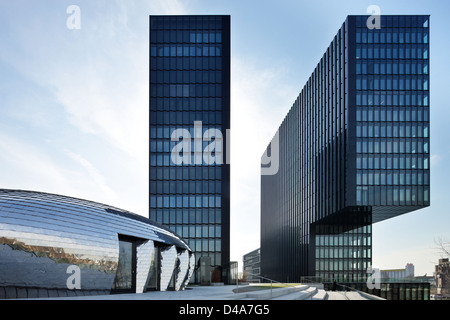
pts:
[42, 235]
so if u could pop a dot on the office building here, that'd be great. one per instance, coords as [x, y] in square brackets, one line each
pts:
[189, 119]
[252, 267]
[353, 150]
[398, 274]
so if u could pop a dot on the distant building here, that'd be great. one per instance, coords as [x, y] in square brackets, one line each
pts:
[252, 267]
[442, 277]
[398, 274]
[425, 278]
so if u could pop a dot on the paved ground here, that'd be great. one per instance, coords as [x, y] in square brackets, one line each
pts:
[342, 295]
[197, 293]
[191, 293]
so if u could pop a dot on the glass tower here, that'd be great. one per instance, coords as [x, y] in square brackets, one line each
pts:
[353, 150]
[189, 119]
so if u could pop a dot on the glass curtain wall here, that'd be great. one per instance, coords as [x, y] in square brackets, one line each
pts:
[343, 245]
[189, 91]
[392, 113]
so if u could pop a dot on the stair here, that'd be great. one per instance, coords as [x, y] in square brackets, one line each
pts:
[300, 292]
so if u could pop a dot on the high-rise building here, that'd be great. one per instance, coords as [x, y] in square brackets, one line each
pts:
[353, 150]
[189, 119]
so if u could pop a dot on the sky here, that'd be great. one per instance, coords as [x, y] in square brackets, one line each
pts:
[74, 103]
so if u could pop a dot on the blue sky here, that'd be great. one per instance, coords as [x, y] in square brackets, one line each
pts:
[74, 103]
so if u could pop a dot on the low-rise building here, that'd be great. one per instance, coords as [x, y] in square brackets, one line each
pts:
[442, 277]
[252, 269]
[398, 274]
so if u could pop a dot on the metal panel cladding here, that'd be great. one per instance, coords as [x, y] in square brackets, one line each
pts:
[46, 238]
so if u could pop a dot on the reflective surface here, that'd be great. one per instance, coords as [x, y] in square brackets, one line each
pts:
[357, 137]
[41, 235]
[124, 272]
[168, 264]
[190, 81]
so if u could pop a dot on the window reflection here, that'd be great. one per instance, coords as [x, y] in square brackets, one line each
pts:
[124, 275]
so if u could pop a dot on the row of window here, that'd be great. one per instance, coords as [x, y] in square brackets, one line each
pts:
[186, 36]
[398, 130]
[408, 114]
[186, 216]
[216, 260]
[395, 68]
[186, 76]
[185, 118]
[165, 132]
[388, 162]
[204, 244]
[324, 265]
[355, 275]
[343, 252]
[355, 227]
[392, 178]
[186, 90]
[181, 173]
[187, 22]
[392, 36]
[169, 146]
[210, 231]
[392, 52]
[186, 63]
[185, 104]
[185, 187]
[347, 239]
[388, 83]
[186, 201]
[388, 195]
[393, 98]
[186, 51]
[394, 147]
[180, 159]
[393, 21]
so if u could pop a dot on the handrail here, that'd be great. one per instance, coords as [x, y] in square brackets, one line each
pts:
[271, 281]
[310, 279]
[338, 285]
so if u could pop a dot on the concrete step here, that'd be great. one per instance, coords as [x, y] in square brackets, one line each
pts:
[305, 294]
[269, 294]
[320, 295]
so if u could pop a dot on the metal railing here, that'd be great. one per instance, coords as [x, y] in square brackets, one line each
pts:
[336, 286]
[267, 279]
[311, 280]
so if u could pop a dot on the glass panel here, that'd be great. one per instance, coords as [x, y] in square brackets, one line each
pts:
[124, 274]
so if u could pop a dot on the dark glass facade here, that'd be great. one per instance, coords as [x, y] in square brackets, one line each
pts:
[190, 95]
[353, 150]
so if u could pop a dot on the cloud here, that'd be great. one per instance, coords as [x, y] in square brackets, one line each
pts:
[93, 173]
[435, 159]
[260, 99]
[28, 167]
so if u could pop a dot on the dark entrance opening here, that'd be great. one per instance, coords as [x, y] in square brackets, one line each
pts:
[125, 279]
